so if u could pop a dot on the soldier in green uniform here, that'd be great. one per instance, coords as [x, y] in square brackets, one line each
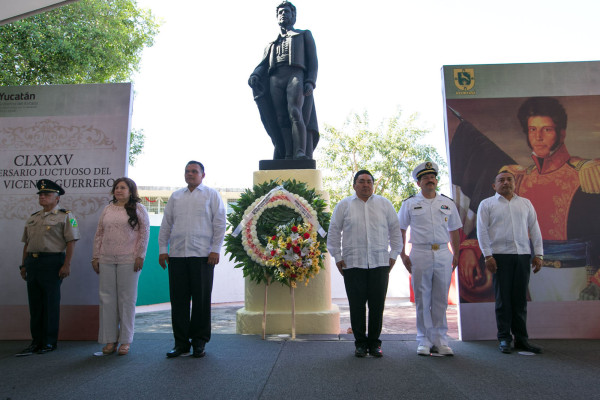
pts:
[49, 236]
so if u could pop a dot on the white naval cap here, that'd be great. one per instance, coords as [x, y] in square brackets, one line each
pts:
[428, 167]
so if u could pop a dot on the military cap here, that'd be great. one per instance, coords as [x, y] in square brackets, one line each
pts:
[427, 167]
[48, 186]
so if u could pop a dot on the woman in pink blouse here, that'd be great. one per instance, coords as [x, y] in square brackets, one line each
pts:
[119, 250]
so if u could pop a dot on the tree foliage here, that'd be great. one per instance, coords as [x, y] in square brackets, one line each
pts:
[136, 144]
[390, 153]
[88, 41]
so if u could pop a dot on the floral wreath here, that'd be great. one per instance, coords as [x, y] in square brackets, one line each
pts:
[266, 211]
[275, 198]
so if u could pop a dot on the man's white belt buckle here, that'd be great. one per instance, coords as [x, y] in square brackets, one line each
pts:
[435, 246]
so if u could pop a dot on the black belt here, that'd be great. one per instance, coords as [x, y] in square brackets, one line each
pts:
[43, 254]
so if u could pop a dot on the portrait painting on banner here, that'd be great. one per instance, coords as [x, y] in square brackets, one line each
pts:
[551, 144]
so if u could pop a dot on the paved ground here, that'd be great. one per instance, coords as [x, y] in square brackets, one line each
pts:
[399, 318]
[310, 367]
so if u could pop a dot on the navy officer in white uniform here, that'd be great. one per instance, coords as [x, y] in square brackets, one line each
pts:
[434, 221]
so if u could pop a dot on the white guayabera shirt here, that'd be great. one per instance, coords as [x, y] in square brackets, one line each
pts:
[364, 234]
[193, 224]
[505, 227]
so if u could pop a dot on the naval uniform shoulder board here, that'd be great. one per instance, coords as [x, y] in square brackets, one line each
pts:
[37, 212]
[449, 198]
[65, 211]
[409, 197]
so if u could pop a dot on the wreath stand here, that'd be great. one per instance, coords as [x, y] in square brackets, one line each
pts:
[264, 318]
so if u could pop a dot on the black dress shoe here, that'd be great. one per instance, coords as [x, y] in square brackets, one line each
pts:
[376, 351]
[198, 351]
[32, 348]
[46, 349]
[360, 351]
[176, 352]
[505, 347]
[525, 345]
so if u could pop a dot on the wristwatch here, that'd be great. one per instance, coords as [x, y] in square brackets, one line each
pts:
[540, 257]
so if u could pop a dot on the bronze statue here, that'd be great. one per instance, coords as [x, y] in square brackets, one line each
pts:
[283, 85]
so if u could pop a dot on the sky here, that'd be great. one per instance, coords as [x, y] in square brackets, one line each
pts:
[192, 99]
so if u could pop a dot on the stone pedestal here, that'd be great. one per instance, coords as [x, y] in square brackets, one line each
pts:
[315, 314]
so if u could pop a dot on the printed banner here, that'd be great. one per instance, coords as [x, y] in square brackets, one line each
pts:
[489, 113]
[77, 136]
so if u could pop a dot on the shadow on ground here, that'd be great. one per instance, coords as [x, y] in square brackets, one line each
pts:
[399, 318]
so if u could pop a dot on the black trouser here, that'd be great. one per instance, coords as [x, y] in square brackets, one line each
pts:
[510, 284]
[366, 286]
[190, 279]
[43, 292]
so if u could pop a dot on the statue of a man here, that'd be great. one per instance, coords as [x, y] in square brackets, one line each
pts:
[283, 85]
